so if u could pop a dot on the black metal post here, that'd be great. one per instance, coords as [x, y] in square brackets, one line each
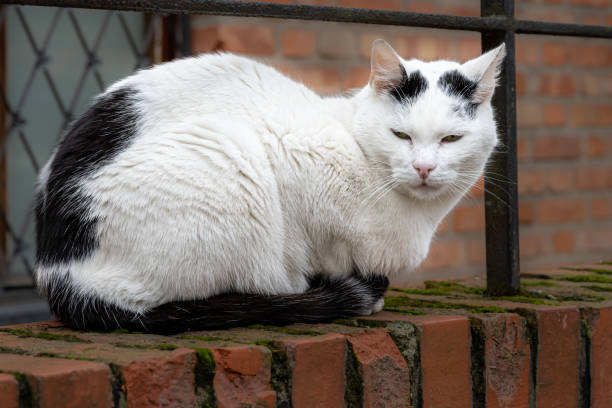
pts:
[501, 200]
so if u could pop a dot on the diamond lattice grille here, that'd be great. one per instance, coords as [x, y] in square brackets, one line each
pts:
[65, 57]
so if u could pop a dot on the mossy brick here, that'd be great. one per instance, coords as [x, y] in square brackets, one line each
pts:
[601, 358]
[558, 356]
[242, 377]
[9, 391]
[444, 357]
[317, 370]
[56, 382]
[507, 361]
[385, 374]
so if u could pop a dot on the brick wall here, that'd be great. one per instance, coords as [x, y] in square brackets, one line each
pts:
[430, 351]
[564, 88]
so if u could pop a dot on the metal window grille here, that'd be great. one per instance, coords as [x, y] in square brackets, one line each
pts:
[497, 24]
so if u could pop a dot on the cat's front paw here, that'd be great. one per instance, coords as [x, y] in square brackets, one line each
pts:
[378, 306]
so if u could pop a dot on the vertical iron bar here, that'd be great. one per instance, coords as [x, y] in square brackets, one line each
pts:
[501, 200]
[185, 35]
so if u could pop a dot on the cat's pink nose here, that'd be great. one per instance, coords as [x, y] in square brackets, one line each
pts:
[423, 169]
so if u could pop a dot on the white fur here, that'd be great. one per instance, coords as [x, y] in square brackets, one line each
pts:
[240, 179]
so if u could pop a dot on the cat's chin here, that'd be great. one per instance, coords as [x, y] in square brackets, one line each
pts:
[421, 192]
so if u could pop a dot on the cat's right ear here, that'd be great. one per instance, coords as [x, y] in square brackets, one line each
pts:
[386, 73]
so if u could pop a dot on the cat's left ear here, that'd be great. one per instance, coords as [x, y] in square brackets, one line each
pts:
[386, 72]
[484, 70]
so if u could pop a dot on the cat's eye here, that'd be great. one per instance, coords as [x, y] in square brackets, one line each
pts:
[401, 135]
[451, 138]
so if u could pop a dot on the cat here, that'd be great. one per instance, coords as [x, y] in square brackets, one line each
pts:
[213, 191]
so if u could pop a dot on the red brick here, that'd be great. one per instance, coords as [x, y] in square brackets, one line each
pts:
[238, 39]
[163, 381]
[554, 53]
[560, 180]
[336, 44]
[596, 146]
[298, 43]
[421, 7]
[445, 357]
[557, 85]
[507, 361]
[444, 254]
[594, 3]
[591, 115]
[526, 212]
[469, 219]
[595, 239]
[558, 357]
[318, 370]
[463, 10]
[596, 85]
[386, 376]
[445, 361]
[529, 114]
[371, 4]
[556, 147]
[531, 182]
[601, 208]
[476, 252]
[469, 48]
[356, 78]
[324, 80]
[586, 55]
[423, 47]
[57, 382]
[561, 210]
[564, 241]
[242, 377]
[554, 114]
[531, 244]
[521, 84]
[9, 391]
[523, 149]
[528, 52]
[601, 358]
[444, 224]
[592, 178]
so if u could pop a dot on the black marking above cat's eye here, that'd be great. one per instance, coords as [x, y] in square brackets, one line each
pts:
[65, 227]
[410, 87]
[457, 84]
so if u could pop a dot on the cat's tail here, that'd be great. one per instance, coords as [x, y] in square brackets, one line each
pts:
[325, 300]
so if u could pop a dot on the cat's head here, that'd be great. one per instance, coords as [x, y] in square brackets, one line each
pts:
[430, 125]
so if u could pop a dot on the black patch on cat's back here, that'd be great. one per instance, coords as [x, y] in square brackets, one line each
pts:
[65, 229]
[410, 87]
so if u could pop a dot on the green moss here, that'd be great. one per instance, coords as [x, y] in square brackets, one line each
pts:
[586, 278]
[593, 270]
[45, 335]
[204, 375]
[207, 338]
[598, 288]
[539, 283]
[26, 397]
[524, 299]
[353, 392]
[410, 312]
[405, 301]
[287, 330]
[441, 288]
[164, 346]
[586, 328]
[606, 262]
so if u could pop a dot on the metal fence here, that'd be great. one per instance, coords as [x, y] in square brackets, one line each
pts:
[496, 25]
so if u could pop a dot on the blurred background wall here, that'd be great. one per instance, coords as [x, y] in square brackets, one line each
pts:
[564, 91]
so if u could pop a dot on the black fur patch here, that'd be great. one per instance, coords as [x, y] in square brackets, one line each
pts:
[411, 86]
[456, 84]
[325, 300]
[64, 229]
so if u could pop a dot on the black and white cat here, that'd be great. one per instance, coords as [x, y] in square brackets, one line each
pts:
[214, 191]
